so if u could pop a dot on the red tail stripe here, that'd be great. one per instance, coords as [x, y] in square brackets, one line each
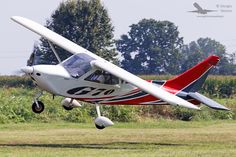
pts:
[139, 100]
[183, 80]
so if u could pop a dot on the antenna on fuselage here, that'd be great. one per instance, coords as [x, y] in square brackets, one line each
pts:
[55, 52]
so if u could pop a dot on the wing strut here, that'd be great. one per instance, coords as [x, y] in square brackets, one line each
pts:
[54, 51]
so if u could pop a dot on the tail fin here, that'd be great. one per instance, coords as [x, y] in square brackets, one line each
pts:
[192, 79]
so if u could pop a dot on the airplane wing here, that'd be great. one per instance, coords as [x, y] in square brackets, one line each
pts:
[103, 64]
[194, 11]
[210, 10]
[142, 84]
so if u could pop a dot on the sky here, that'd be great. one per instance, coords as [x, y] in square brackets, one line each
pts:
[17, 42]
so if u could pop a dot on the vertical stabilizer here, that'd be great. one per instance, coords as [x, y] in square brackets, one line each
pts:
[192, 79]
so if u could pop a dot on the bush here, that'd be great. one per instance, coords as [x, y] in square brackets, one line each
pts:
[205, 114]
[16, 81]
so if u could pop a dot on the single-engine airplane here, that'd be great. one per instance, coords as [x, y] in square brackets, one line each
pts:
[87, 77]
[200, 10]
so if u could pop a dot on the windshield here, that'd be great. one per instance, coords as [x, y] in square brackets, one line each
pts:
[78, 64]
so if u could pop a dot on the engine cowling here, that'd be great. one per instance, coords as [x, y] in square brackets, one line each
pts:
[101, 122]
[69, 102]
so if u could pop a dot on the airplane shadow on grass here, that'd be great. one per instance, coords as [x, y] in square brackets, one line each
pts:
[114, 145]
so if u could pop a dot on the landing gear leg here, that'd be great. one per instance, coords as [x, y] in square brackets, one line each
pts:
[38, 106]
[98, 110]
[101, 122]
[99, 115]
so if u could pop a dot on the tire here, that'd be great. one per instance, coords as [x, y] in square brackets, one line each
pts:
[99, 127]
[37, 108]
[67, 108]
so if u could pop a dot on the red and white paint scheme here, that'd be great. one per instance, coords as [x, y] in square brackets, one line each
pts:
[87, 77]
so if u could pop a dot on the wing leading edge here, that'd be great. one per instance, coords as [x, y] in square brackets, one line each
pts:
[103, 64]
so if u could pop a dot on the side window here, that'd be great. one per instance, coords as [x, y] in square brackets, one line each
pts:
[100, 76]
[123, 82]
[77, 65]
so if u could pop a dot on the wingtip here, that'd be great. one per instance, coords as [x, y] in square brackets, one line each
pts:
[14, 17]
[17, 18]
[196, 108]
[190, 106]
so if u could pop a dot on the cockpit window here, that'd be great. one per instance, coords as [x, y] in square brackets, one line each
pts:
[104, 77]
[78, 64]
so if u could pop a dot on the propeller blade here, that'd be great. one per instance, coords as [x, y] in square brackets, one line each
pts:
[27, 69]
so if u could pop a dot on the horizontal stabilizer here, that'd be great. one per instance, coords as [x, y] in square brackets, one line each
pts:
[208, 102]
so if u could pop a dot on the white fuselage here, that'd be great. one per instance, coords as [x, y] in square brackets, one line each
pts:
[56, 80]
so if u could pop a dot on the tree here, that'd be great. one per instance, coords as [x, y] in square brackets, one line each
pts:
[84, 22]
[151, 47]
[204, 47]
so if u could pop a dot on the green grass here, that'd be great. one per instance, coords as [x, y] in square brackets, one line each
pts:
[147, 138]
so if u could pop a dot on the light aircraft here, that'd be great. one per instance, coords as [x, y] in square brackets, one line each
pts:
[200, 10]
[87, 77]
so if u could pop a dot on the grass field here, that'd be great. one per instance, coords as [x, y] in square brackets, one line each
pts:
[149, 138]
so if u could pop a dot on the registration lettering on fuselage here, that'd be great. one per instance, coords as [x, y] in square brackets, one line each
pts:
[90, 90]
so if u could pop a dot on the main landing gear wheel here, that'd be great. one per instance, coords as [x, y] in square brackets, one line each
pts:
[101, 122]
[67, 108]
[37, 107]
[99, 127]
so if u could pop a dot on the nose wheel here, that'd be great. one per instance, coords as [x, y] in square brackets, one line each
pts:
[37, 106]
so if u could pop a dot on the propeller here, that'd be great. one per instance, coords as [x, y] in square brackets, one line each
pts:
[23, 71]
[27, 69]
